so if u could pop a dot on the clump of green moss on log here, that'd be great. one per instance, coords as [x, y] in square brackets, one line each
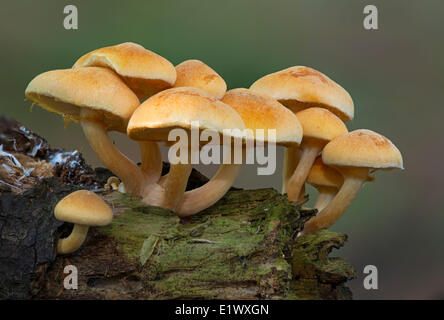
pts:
[241, 247]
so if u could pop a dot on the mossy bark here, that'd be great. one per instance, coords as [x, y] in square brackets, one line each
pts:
[244, 247]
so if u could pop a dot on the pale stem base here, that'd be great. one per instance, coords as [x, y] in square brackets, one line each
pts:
[175, 185]
[205, 196]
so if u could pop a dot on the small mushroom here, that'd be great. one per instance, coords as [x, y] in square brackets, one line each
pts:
[354, 155]
[98, 99]
[196, 74]
[327, 182]
[84, 209]
[299, 88]
[178, 108]
[319, 126]
[112, 183]
[146, 73]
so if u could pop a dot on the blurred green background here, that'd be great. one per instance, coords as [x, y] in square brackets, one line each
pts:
[394, 74]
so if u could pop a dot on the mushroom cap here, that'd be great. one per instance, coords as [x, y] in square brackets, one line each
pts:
[67, 91]
[323, 175]
[144, 71]
[319, 123]
[262, 112]
[362, 148]
[302, 87]
[195, 73]
[178, 108]
[85, 208]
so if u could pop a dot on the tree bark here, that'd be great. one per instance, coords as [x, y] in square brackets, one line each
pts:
[243, 247]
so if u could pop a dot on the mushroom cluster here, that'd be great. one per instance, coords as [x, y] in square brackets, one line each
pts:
[336, 162]
[134, 91]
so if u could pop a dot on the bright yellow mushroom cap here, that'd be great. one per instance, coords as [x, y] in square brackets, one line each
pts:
[302, 87]
[321, 124]
[362, 148]
[323, 175]
[144, 71]
[66, 91]
[85, 208]
[178, 108]
[262, 112]
[196, 74]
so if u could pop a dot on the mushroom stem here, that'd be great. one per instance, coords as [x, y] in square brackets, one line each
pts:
[291, 157]
[151, 161]
[111, 157]
[154, 195]
[325, 195]
[169, 192]
[175, 185]
[353, 181]
[205, 196]
[162, 180]
[310, 149]
[74, 241]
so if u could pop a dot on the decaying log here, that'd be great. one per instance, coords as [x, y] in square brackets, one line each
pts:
[28, 234]
[243, 247]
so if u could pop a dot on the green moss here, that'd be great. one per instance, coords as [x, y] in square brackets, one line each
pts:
[245, 240]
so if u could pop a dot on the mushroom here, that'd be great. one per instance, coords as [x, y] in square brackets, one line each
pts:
[354, 155]
[327, 182]
[146, 73]
[84, 209]
[319, 126]
[112, 183]
[299, 88]
[179, 108]
[196, 74]
[98, 99]
[259, 111]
